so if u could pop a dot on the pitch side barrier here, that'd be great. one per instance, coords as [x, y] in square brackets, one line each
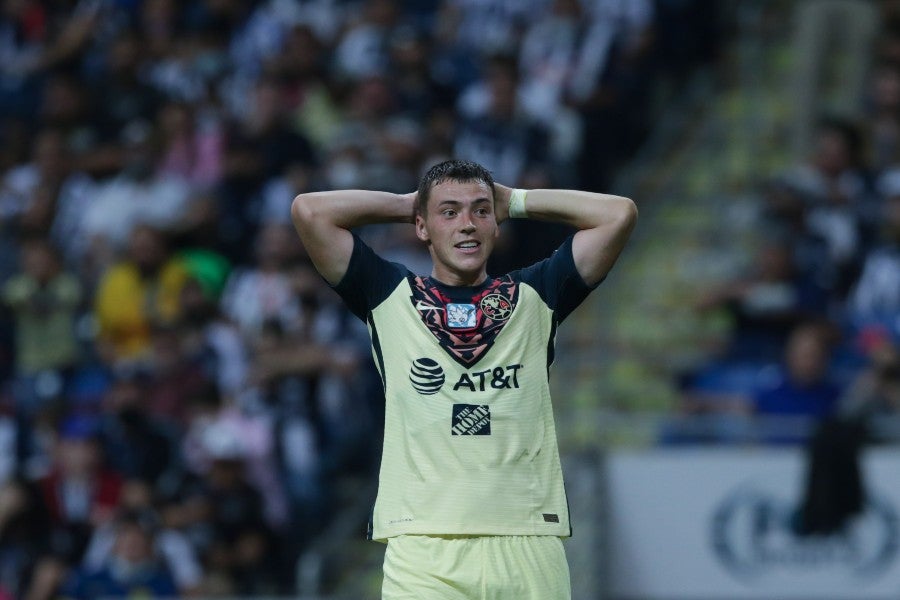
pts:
[712, 508]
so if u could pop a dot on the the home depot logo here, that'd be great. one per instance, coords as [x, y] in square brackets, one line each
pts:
[471, 419]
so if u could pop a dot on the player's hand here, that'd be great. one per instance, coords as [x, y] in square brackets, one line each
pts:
[412, 198]
[501, 202]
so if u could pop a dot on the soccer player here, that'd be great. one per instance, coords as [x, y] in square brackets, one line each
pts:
[470, 500]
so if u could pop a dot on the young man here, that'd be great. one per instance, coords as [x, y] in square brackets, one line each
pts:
[471, 499]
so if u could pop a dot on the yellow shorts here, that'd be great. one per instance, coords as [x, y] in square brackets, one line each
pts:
[425, 567]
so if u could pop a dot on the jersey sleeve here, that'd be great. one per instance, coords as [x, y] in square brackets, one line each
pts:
[557, 281]
[369, 279]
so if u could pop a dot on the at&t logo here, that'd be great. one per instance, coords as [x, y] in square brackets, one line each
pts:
[426, 376]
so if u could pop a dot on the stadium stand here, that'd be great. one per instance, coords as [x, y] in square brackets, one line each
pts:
[177, 386]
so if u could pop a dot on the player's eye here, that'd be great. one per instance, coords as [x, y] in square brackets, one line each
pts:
[448, 212]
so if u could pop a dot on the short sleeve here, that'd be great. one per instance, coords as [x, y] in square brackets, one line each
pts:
[557, 281]
[369, 279]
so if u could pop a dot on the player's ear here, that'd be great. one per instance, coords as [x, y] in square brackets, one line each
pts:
[421, 229]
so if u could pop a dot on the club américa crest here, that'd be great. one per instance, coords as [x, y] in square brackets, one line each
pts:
[496, 307]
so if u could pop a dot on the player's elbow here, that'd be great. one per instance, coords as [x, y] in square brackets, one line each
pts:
[304, 210]
[623, 213]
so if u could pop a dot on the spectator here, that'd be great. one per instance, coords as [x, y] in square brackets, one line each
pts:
[240, 540]
[307, 385]
[497, 134]
[158, 27]
[822, 28]
[134, 294]
[256, 33]
[357, 153]
[192, 145]
[65, 105]
[420, 93]
[830, 197]
[44, 300]
[127, 97]
[253, 436]
[788, 397]
[24, 34]
[132, 566]
[561, 58]
[362, 51]
[882, 115]
[875, 297]
[400, 146]
[24, 535]
[80, 492]
[310, 97]
[37, 39]
[256, 295]
[137, 444]
[171, 546]
[485, 27]
[802, 387]
[174, 374]
[139, 195]
[875, 392]
[766, 303]
[549, 56]
[260, 146]
[45, 195]
[610, 89]
[213, 341]
[38, 196]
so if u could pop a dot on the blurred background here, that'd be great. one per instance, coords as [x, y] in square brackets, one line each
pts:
[186, 410]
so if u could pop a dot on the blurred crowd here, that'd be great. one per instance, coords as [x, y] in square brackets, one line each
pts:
[181, 396]
[815, 313]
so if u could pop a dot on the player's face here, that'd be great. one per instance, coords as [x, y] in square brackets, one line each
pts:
[460, 229]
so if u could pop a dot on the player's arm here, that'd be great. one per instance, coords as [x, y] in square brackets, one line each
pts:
[604, 223]
[324, 220]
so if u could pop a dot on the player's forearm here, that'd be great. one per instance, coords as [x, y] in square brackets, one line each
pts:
[582, 210]
[604, 222]
[324, 220]
[352, 208]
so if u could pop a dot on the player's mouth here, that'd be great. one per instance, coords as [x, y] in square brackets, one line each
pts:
[468, 247]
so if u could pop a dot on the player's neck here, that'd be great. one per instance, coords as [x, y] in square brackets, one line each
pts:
[456, 279]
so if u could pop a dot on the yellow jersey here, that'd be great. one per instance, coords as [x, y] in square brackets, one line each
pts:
[469, 437]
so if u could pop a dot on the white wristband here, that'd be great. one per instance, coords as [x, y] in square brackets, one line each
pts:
[517, 204]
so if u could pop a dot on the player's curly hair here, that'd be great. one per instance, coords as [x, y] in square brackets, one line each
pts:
[463, 171]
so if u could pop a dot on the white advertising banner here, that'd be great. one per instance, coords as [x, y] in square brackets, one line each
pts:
[716, 524]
